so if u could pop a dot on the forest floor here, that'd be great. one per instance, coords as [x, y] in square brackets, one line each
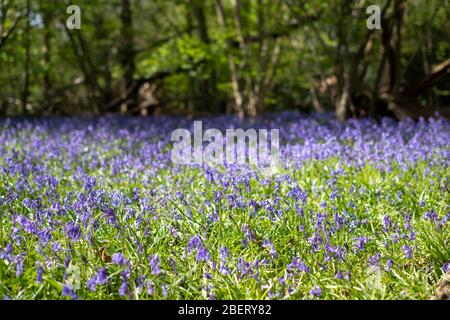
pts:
[95, 209]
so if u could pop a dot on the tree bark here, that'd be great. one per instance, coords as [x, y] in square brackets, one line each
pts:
[4, 35]
[26, 85]
[208, 87]
[46, 62]
[128, 52]
[91, 82]
[235, 81]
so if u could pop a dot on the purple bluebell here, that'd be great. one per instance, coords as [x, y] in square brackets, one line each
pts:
[446, 267]
[69, 292]
[194, 243]
[202, 254]
[150, 290]
[40, 271]
[45, 235]
[388, 265]
[431, 215]
[360, 243]
[316, 291]
[298, 265]
[374, 260]
[154, 264]
[72, 230]
[118, 258]
[123, 289]
[56, 246]
[407, 250]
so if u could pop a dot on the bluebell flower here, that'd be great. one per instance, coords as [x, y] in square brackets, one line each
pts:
[387, 223]
[69, 292]
[431, 215]
[316, 291]
[173, 265]
[19, 266]
[110, 216]
[374, 260]
[446, 267]
[202, 254]
[224, 253]
[123, 289]
[194, 243]
[6, 254]
[140, 283]
[179, 195]
[56, 246]
[154, 264]
[407, 250]
[315, 240]
[40, 271]
[361, 242]
[150, 290]
[72, 230]
[90, 182]
[91, 284]
[388, 265]
[45, 235]
[224, 269]
[118, 258]
[298, 265]
[218, 195]
[100, 278]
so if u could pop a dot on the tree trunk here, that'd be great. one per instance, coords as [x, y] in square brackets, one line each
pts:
[88, 74]
[343, 98]
[394, 56]
[26, 85]
[235, 81]
[128, 53]
[6, 34]
[208, 87]
[46, 62]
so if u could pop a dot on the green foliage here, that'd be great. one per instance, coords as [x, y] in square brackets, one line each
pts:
[168, 35]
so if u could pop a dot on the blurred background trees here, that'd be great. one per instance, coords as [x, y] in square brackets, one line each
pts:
[246, 57]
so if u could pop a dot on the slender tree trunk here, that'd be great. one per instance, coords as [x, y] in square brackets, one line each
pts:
[128, 52]
[26, 85]
[46, 62]
[428, 56]
[343, 98]
[208, 87]
[256, 97]
[235, 81]
[106, 94]
[395, 55]
[91, 82]
[315, 100]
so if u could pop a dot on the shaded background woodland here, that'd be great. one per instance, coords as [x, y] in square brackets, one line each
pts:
[244, 57]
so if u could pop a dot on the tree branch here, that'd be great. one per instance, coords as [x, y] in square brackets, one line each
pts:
[4, 37]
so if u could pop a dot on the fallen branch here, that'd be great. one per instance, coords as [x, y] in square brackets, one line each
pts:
[160, 75]
[438, 73]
